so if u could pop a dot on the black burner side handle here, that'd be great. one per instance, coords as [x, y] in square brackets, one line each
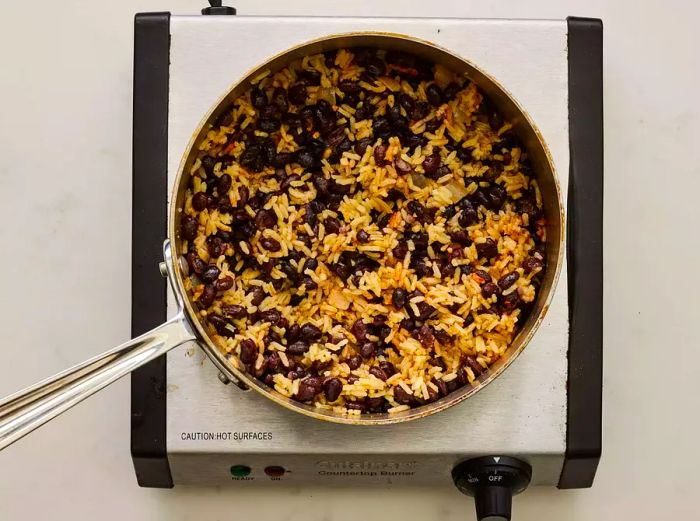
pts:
[585, 253]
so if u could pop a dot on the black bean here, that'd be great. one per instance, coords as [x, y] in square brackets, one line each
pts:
[432, 396]
[298, 348]
[468, 214]
[484, 276]
[400, 250]
[313, 77]
[416, 209]
[442, 387]
[252, 159]
[359, 330]
[270, 244]
[433, 125]
[222, 326]
[506, 281]
[393, 114]
[342, 270]
[487, 249]
[292, 333]
[443, 337]
[362, 144]
[434, 95]
[422, 266]
[441, 171]
[349, 87]
[271, 315]
[425, 311]
[310, 333]
[279, 99]
[243, 195]
[208, 163]
[258, 295]
[405, 101]
[383, 220]
[199, 201]
[318, 367]
[287, 183]
[289, 270]
[336, 137]
[265, 219]
[248, 230]
[398, 297]
[311, 264]
[268, 124]
[454, 251]
[388, 368]
[451, 91]
[354, 362]
[332, 388]
[489, 289]
[464, 154]
[297, 94]
[510, 301]
[196, 264]
[425, 336]
[381, 126]
[368, 350]
[249, 351]
[379, 153]
[532, 264]
[234, 311]
[420, 110]
[281, 159]
[216, 246]
[306, 159]
[528, 206]
[364, 111]
[375, 66]
[461, 237]
[305, 393]
[431, 164]
[362, 236]
[315, 146]
[476, 367]
[497, 196]
[402, 166]
[356, 406]
[402, 397]
[374, 404]
[258, 98]
[408, 324]
[210, 274]
[377, 372]
[189, 227]
[332, 225]
[207, 297]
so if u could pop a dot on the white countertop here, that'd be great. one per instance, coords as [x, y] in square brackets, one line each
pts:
[65, 181]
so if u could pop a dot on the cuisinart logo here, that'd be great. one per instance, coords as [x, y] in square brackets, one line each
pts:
[366, 468]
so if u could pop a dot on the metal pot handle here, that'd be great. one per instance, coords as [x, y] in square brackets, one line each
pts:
[26, 410]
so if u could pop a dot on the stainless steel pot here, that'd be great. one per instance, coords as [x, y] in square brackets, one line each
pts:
[26, 410]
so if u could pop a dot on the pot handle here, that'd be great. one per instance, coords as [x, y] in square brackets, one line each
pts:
[26, 410]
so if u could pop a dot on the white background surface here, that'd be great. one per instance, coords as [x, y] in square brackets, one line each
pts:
[65, 188]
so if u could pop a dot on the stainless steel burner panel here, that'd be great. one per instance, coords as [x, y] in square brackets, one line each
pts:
[213, 427]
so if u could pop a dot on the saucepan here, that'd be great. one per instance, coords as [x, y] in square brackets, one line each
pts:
[30, 408]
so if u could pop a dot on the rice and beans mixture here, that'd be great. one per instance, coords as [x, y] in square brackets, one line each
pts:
[363, 232]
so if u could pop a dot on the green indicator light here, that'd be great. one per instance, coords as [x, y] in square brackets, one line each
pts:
[240, 471]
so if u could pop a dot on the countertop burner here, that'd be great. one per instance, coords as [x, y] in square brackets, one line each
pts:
[545, 410]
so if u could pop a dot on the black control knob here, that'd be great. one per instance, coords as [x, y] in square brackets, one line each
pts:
[492, 481]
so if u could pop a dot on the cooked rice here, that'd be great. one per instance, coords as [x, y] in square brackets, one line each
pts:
[266, 258]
